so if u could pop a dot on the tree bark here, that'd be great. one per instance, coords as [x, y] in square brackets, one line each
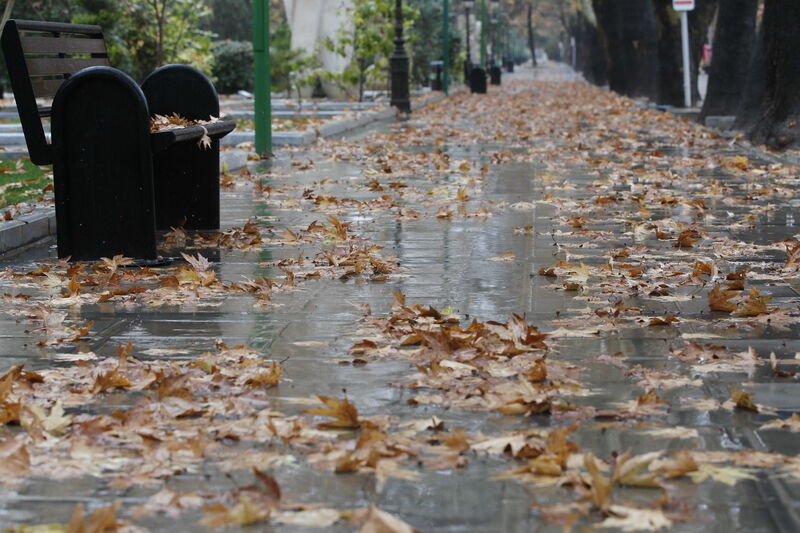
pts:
[670, 61]
[531, 37]
[733, 47]
[590, 57]
[755, 86]
[628, 32]
[776, 122]
[699, 21]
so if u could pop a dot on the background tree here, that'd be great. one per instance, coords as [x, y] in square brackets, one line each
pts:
[591, 58]
[531, 34]
[733, 47]
[629, 35]
[231, 19]
[776, 120]
[368, 43]
[424, 43]
[699, 21]
[165, 31]
[145, 34]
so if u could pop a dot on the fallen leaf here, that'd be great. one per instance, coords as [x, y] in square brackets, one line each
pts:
[343, 411]
[374, 520]
[728, 475]
[635, 519]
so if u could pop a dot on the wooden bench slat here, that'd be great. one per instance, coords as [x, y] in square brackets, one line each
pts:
[62, 65]
[60, 27]
[62, 45]
[45, 88]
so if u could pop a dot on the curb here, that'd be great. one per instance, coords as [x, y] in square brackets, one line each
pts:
[786, 159]
[27, 229]
[334, 127]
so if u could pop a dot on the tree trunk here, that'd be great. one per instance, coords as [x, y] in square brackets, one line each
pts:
[755, 86]
[733, 47]
[531, 38]
[628, 32]
[591, 59]
[670, 59]
[699, 21]
[776, 122]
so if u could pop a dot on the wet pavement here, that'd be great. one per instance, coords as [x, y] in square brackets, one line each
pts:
[603, 225]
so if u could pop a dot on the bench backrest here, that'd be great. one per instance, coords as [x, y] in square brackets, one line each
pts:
[39, 57]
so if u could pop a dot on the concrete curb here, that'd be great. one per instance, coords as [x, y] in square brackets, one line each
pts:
[334, 127]
[234, 159]
[786, 159]
[27, 229]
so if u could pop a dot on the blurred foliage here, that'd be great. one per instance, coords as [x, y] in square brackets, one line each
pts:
[368, 43]
[233, 66]
[145, 34]
[426, 45]
[230, 20]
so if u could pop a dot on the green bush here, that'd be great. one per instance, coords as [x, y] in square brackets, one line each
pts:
[233, 66]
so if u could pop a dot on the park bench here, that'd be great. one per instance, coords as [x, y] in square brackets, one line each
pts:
[115, 181]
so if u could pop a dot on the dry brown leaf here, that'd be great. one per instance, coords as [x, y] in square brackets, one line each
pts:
[720, 299]
[679, 464]
[601, 486]
[753, 305]
[343, 411]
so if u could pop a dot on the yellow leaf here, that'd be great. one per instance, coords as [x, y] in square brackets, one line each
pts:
[744, 400]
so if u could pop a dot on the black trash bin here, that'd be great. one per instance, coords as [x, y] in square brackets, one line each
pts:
[509, 65]
[437, 70]
[495, 74]
[477, 80]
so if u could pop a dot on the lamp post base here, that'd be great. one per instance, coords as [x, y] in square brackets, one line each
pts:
[400, 93]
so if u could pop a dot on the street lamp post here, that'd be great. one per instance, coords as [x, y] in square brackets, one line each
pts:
[398, 64]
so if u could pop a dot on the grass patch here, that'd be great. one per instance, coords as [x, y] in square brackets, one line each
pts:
[21, 181]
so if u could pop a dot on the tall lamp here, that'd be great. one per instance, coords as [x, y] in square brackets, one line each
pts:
[398, 64]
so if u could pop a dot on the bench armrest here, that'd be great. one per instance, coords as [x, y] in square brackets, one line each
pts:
[161, 140]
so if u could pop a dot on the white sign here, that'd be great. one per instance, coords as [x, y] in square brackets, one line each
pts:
[683, 5]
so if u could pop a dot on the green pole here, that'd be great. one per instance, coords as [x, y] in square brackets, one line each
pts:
[446, 46]
[263, 82]
[484, 23]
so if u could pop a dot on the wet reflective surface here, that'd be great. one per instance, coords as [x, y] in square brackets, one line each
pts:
[450, 262]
